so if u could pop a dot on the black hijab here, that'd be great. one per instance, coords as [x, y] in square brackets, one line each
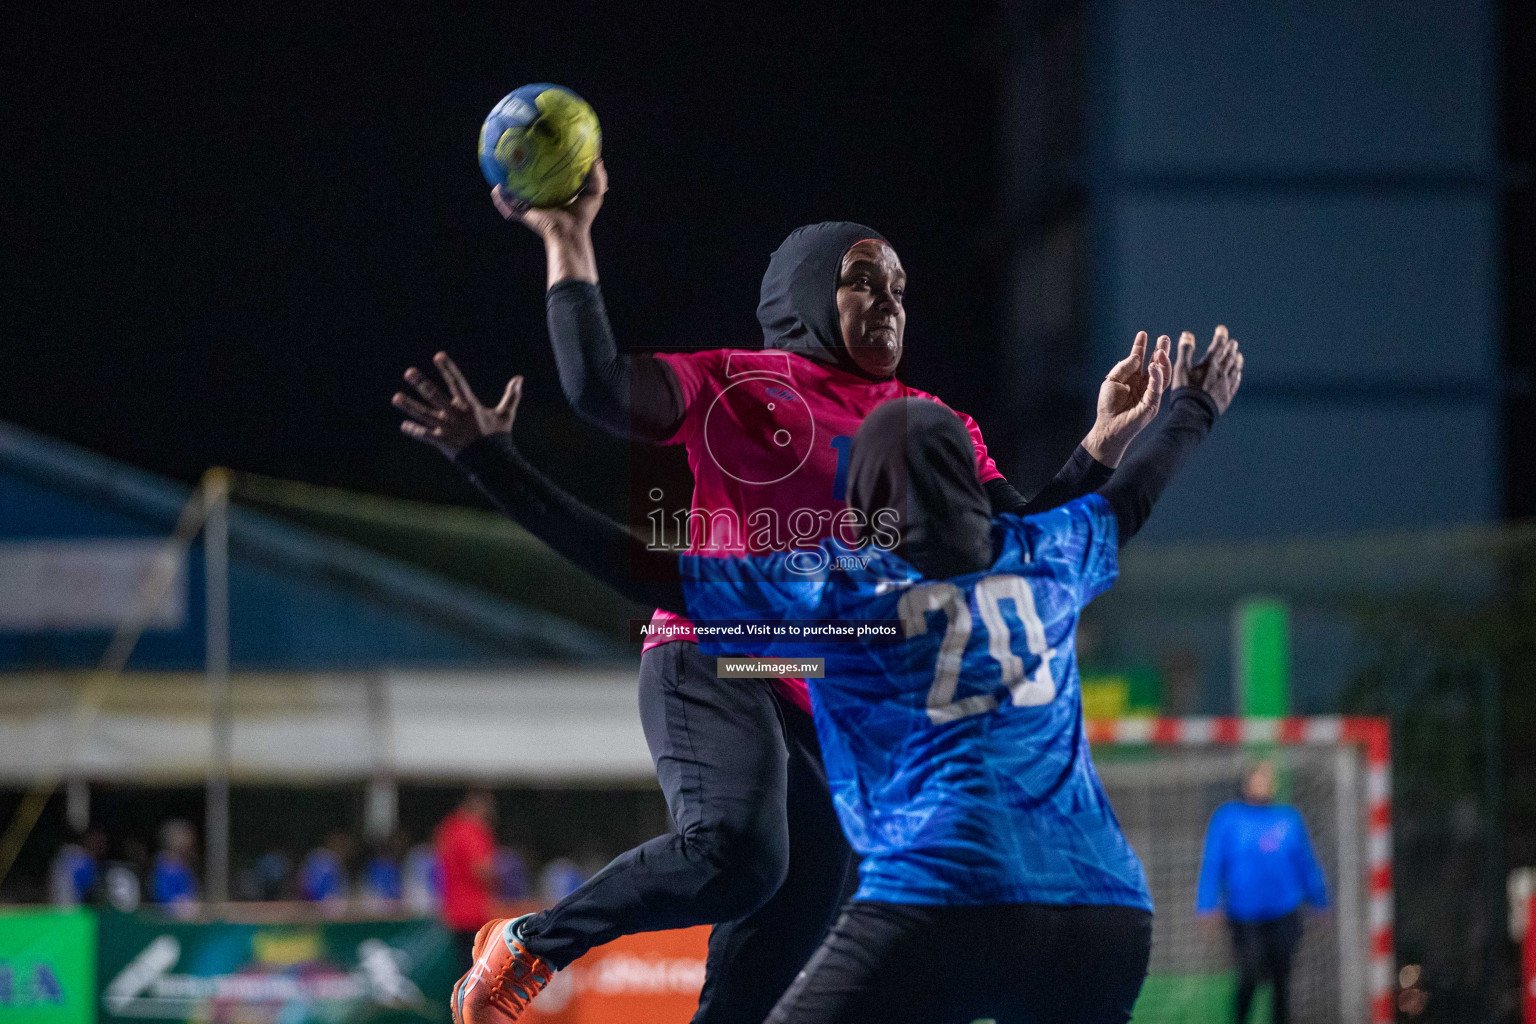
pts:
[798, 307]
[914, 456]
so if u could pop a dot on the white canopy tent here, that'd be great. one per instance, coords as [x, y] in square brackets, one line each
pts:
[523, 725]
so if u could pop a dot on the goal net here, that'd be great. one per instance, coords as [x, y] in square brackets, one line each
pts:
[1166, 776]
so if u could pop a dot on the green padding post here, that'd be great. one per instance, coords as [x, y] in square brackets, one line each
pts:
[1263, 656]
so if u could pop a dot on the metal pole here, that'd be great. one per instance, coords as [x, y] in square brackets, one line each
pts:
[1495, 901]
[77, 804]
[381, 808]
[216, 571]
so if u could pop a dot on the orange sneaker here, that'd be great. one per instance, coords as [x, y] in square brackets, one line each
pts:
[456, 1001]
[504, 979]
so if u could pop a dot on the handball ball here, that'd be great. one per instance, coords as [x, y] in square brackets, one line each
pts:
[538, 144]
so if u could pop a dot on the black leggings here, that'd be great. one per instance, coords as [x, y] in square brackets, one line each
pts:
[756, 848]
[1265, 949]
[1022, 963]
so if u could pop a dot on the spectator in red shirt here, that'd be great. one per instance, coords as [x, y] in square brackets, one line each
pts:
[466, 850]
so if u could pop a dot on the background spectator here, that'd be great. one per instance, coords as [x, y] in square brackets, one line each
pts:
[267, 878]
[323, 876]
[172, 880]
[274, 875]
[383, 879]
[76, 868]
[422, 884]
[512, 882]
[123, 879]
[466, 848]
[560, 877]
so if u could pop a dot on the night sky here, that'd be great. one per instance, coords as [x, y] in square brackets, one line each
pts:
[234, 226]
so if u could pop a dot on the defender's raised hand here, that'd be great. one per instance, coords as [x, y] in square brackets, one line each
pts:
[1219, 371]
[449, 420]
[1128, 400]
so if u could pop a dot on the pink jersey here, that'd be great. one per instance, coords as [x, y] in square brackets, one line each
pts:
[768, 435]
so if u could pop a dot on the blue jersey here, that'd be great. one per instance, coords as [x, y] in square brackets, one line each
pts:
[957, 758]
[73, 876]
[171, 881]
[1259, 859]
[322, 877]
[383, 879]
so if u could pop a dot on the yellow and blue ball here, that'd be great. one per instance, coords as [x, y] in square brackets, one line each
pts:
[539, 143]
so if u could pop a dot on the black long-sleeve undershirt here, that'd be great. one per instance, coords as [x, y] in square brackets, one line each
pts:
[633, 396]
[618, 558]
[584, 536]
[1140, 480]
[1082, 474]
[637, 397]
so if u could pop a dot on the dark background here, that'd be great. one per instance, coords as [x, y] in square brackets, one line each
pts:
[234, 228]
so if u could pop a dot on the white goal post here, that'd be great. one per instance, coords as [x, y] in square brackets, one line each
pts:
[1165, 776]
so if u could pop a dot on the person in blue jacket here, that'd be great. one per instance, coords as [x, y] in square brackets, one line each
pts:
[323, 876]
[172, 880]
[1259, 861]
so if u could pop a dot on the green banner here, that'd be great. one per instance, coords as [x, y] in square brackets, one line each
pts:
[153, 969]
[47, 967]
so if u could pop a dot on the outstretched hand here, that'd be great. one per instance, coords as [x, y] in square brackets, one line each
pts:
[558, 222]
[1219, 371]
[1128, 400]
[450, 420]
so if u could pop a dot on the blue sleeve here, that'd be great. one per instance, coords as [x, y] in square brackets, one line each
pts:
[767, 588]
[161, 886]
[763, 587]
[1212, 864]
[1078, 541]
[1312, 882]
[1099, 532]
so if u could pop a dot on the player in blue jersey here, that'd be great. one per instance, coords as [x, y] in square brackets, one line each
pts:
[995, 880]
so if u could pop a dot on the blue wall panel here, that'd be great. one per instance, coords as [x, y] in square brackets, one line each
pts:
[1371, 86]
[280, 621]
[1321, 178]
[1399, 288]
[1275, 470]
[30, 510]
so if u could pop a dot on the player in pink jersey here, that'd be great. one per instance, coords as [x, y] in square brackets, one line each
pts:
[768, 435]
[757, 850]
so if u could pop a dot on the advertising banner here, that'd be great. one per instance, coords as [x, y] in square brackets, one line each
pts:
[391, 972]
[394, 972]
[47, 967]
[650, 978]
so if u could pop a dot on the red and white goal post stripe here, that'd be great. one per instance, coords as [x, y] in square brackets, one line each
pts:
[1371, 735]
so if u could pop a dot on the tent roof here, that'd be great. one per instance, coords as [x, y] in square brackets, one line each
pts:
[297, 550]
